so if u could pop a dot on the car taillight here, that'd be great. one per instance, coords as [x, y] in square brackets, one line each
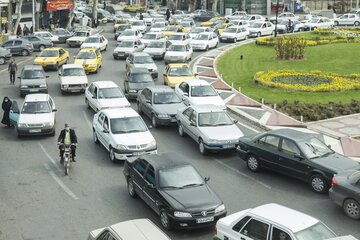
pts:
[333, 182]
[29, 45]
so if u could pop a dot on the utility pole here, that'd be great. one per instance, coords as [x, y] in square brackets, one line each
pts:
[10, 14]
[94, 11]
[18, 14]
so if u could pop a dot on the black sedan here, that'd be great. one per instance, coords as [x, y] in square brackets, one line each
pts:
[345, 192]
[296, 154]
[174, 190]
[135, 80]
[205, 16]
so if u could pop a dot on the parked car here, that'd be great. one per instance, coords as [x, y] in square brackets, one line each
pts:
[127, 47]
[72, 78]
[345, 192]
[178, 53]
[35, 117]
[347, 19]
[209, 126]
[52, 58]
[123, 133]
[205, 41]
[90, 59]
[129, 34]
[271, 221]
[234, 34]
[152, 36]
[38, 43]
[156, 49]
[136, 80]
[179, 38]
[32, 80]
[97, 41]
[173, 188]
[141, 60]
[320, 22]
[62, 34]
[160, 104]
[139, 229]
[197, 30]
[175, 73]
[105, 94]
[18, 46]
[258, 29]
[48, 36]
[296, 154]
[5, 55]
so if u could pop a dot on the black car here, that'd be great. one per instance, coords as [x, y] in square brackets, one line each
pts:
[205, 16]
[174, 190]
[62, 33]
[135, 80]
[345, 192]
[39, 43]
[294, 153]
[18, 46]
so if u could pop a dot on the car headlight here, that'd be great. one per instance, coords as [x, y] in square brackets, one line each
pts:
[43, 85]
[132, 91]
[22, 125]
[23, 86]
[152, 144]
[213, 141]
[92, 65]
[220, 208]
[65, 85]
[120, 147]
[48, 124]
[182, 214]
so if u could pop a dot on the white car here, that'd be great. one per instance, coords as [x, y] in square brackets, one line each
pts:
[234, 34]
[152, 36]
[98, 41]
[320, 22]
[158, 26]
[129, 34]
[156, 49]
[105, 94]
[125, 48]
[239, 22]
[195, 31]
[347, 19]
[47, 36]
[123, 133]
[283, 26]
[78, 38]
[36, 116]
[197, 92]
[178, 53]
[258, 29]
[254, 18]
[146, 17]
[72, 78]
[205, 41]
[141, 60]
[138, 25]
[271, 221]
[176, 38]
[237, 15]
[285, 16]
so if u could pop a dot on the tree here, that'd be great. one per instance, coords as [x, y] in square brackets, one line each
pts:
[18, 14]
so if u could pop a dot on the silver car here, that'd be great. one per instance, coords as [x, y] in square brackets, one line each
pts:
[125, 48]
[141, 60]
[210, 126]
[160, 104]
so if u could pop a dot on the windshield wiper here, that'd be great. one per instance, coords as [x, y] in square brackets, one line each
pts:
[192, 185]
[172, 187]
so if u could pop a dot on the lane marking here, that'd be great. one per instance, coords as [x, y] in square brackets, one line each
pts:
[243, 174]
[87, 120]
[63, 186]
[49, 157]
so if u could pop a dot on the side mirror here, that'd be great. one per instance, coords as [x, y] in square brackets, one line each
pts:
[164, 74]
[298, 156]
[59, 73]
[54, 110]
[192, 124]
[207, 179]
[148, 101]
[329, 146]
[47, 76]
[150, 185]
[105, 131]
[186, 94]
[93, 96]
[236, 121]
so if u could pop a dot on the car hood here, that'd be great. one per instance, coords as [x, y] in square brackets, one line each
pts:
[154, 50]
[171, 53]
[216, 100]
[168, 108]
[336, 162]
[140, 86]
[38, 81]
[36, 118]
[85, 61]
[123, 49]
[136, 138]
[146, 65]
[45, 59]
[74, 80]
[230, 132]
[179, 79]
[76, 39]
[192, 198]
[113, 102]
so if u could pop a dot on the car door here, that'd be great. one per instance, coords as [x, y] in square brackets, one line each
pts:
[129, 63]
[193, 129]
[166, 74]
[53, 109]
[147, 107]
[184, 118]
[93, 97]
[267, 150]
[14, 113]
[99, 129]
[150, 189]
[106, 132]
[344, 19]
[183, 92]
[189, 51]
[255, 230]
[351, 19]
[18, 46]
[137, 174]
[126, 82]
[35, 41]
[9, 45]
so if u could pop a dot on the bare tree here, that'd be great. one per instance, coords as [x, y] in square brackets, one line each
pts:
[192, 5]
[18, 14]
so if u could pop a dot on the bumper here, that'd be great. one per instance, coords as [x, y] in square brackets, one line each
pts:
[198, 47]
[219, 147]
[227, 39]
[185, 223]
[35, 131]
[24, 91]
[156, 55]
[90, 69]
[241, 153]
[132, 95]
[123, 155]
[121, 55]
[166, 121]
[8, 56]
[74, 88]
[337, 198]
[48, 65]
[174, 60]
[253, 34]
[74, 43]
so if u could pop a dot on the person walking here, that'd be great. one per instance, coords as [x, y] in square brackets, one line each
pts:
[167, 14]
[26, 30]
[12, 70]
[6, 106]
[141, 17]
[19, 31]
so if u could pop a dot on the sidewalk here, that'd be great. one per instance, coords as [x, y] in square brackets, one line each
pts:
[338, 132]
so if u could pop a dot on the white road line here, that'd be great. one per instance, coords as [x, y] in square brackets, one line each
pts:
[63, 186]
[87, 120]
[243, 174]
[49, 157]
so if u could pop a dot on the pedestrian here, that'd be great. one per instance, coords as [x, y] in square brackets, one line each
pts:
[289, 25]
[26, 30]
[19, 31]
[12, 70]
[6, 105]
[141, 17]
[31, 30]
[167, 14]
[104, 4]
[173, 11]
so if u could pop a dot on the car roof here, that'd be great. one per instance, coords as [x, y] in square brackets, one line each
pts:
[72, 65]
[32, 67]
[105, 84]
[205, 108]
[124, 112]
[291, 133]
[160, 88]
[197, 82]
[165, 160]
[37, 97]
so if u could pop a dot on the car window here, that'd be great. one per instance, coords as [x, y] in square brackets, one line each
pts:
[256, 230]
[17, 43]
[278, 234]
[150, 175]
[101, 119]
[187, 113]
[140, 166]
[106, 124]
[193, 117]
[270, 141]
[289, 147]
[106, 236]
[238, 226]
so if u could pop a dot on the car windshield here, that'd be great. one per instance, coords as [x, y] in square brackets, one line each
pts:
[143, 60]
[159, 25]
[86, 55]
[36, 107]
[122, 21]
[179, 177]
[166, 98]
[201, 37]
[197, 30]
[314, 148]
[92, 40]
[127, 125]
[214, 119]
[149, 36]
[186, 24]
[80, 34]
[140, 77]
[106, 93]
[171, 28]
[177, 48]
[175, 37]
[128, 33]
[203, 91]
[314, 20]
[183, 71]
[32, 74]
[230, 30]
[49, 53]
[156, 45]
[73, 72]
[138, 23]
[126, 44]
[255, 25]
[315, 232]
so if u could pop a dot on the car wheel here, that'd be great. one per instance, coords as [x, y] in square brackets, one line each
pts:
[97, 67]
[41, 47]
[253, 163]
[25, 52]
[259, 34]
[164, 219]
[336, 23]
[53, 133]
[352, 208]
[154, 121]
[202, 147]
[139, 108]
[181, 130]
[62, 92]
[95, 137]
[356, 23]
[234, 40]
[2, 61]
[318, 184]
[105, 48]
[130, 187]
[112, 154]
[207, 48]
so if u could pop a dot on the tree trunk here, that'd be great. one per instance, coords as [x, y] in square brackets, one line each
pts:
[192, 6]
[214, 5]
[94, 12]
[18, 13]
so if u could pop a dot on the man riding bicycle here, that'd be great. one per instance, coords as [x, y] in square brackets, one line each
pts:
[67, 137]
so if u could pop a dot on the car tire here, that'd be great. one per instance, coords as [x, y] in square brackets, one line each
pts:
[130, 188]
[207, 48]
[165, 220]
[181, 130]
[258, 34]
[25, 52]
[357, 23]
[139, 109]
[95, 137]
[105, 48]
[2, 60]
[154, 121]
[252, 163]
[202, 147]
[41, 47]
[336, 23]
[112, 154]
[234, 41]
[62, 92]
[53, 133]
[318, 183]
[352, 208]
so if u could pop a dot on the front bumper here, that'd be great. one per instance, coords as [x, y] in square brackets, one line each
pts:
[198, 47]
[123, 155]
[185, 223]
[157, 55]
[166, 121]
[35, 131]
[24, 91]
[227, 39]
[90, 69]
[174, 60]
[241, 153]
[73, 88]
[48, 65]
[120, 55]
[74, 43]
[220, 146]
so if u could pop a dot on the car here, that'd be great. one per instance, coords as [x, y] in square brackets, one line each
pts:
[129, 34]
[78, 15]
[139, 229]
[156, 49]
[171, 29]
[175, 73]
[38, 43]
[347, 19]
[48, 36]
[62, 34]
[107, 17]
[296, 26]
[72, 78]
[136, 80]
[320, 22]
[220, 28]
[36, 115]
[32, 80]
[197, 12]
[239, 22]
[141, 60]
[205, 16]
[187, 25]
[78, 38]
[158, 26]
[52, 58]
[296, 154]
[152, 36]
[105, 94]
[258, 29]
[197, 92]
[139, 25]
[233, 34]
[205, 41]
[123, 133]
[195, 31]
[178, 53]
[97, 41]
[345, 192]
[127, 47]
[120, 29]
[209, 126]
[271, 221]
[19, 46]
[134, 8]
[120, 22]
[147, 18]
[285, 16]
[90, 59]
[254, 18]
[179, 38]
[5, 55]
[212, 22]
[180, 14]
[174, 189]
[160, 104]
[237, 15]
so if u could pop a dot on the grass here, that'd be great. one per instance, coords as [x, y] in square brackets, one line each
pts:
[338, 58]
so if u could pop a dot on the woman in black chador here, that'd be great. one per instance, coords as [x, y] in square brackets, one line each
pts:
[6, 105]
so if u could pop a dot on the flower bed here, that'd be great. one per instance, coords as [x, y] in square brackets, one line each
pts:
[271, 41]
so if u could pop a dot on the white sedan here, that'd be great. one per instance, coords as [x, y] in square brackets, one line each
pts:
[129, 34]
[156, 49]
[158, 26]
[204, 41]
[197, 30]
[347, 19]
[258, 29]
[97, 41]
[47, 36]
[72, 78]
[321, 22]
[152, 36]
[178, 53]
[125, 48]
[138, 25]
[234, 34]
[179, 38]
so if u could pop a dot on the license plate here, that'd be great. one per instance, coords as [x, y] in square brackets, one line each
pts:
[229, 146]
[138, 153]
[121, 54]
[205, 220]
[35, 130]
[33, 90]
[74, 90]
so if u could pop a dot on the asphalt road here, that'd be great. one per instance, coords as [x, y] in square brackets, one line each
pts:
[38, 202]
